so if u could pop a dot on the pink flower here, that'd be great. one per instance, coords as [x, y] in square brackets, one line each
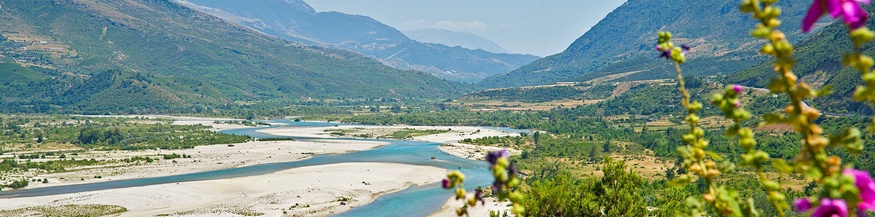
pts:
[802, 205]
[445, 183]
[866, 186]
[831, 208]
[737, 88]
[850, 11]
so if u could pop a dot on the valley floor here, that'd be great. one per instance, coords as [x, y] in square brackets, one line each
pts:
[307, 191]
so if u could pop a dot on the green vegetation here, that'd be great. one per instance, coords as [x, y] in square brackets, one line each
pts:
[544, 94]
[410, 133]
[17, 184]
[502, 141]
[72, 134]
[67, 210]
[557, 193]
[51, 166]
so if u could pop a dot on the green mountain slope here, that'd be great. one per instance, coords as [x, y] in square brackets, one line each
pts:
[819, 62]
[178, 57]
[624, 40]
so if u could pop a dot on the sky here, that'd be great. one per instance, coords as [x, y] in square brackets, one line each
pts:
[539, 27]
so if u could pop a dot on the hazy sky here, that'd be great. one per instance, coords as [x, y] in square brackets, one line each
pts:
[540, 27]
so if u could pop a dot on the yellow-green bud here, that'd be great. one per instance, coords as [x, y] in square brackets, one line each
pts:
[768, 49]
[518, 209]
[516, 197]
[772, 185]
[862, 35]
[503, 162]
[460, 193]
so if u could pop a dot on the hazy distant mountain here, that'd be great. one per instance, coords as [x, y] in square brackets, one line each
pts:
[624, 41]
[137, 55]
[295, 20]
[453, 38]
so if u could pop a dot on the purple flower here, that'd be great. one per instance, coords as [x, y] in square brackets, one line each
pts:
[665, 54]
[831, 208]
[445, 183]
[737, 88]
[685, 49]
[493, 157]
[850, 11]
[496, 186]
[511, 170]
[802, 205]
[478, 193]
[866, 186]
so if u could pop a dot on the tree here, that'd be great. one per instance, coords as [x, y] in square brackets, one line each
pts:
[617, 193]
[606, 148]
[536, 137]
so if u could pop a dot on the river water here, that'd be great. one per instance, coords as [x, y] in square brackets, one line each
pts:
[413, 201]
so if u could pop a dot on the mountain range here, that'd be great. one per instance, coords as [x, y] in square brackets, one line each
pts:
[624, 42]
[296, 21]
[453, 38]
[136, 55]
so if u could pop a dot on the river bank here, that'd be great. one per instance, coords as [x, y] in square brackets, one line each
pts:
[216, 157]
[307, 191]
[449, 140]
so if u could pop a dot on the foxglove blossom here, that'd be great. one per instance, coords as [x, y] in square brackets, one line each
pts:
[802, 205]
[851, 11]
[737, 88]
[866, 186]
[831, 208]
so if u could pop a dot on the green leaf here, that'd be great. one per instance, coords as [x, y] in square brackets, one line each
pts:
[782, 165]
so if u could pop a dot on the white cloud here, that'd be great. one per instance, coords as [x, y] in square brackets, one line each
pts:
[446, 24]
[461, 25]
[418, 23]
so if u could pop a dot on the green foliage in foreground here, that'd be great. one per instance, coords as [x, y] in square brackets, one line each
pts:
[66, 210]
[617, 193]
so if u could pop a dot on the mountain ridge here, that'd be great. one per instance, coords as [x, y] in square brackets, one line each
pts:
[361, 34]
[179, 58]
[453, 38]
[623, 42]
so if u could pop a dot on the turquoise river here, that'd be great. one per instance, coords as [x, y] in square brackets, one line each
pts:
[413, 201]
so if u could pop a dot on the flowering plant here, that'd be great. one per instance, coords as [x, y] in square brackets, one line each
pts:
[843, 190]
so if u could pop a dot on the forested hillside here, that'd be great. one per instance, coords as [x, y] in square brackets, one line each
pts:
[623, 42]
[111, 56]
